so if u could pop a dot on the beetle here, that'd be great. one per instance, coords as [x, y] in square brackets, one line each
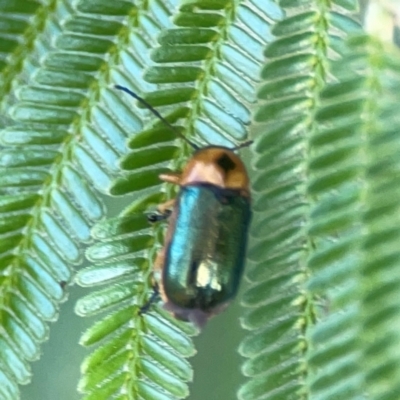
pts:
[198, 271]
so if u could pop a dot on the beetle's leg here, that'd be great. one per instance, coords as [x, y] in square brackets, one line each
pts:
[156, 217]
[171, 178]
[155, 296]
[158, 265]
[157, 291]
[164, 211]
[166, 207]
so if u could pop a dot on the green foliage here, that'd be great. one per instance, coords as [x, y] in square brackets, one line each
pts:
[281, 309]
[323, 260]
[354, 173]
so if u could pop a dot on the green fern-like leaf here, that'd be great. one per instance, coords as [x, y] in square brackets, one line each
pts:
[281, 309]
[354, 174]
[213, 65]
[57, 151]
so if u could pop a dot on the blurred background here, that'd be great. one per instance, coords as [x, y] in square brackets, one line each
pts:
[216, 364]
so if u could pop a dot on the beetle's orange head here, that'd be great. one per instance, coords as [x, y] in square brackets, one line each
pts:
[218, 166]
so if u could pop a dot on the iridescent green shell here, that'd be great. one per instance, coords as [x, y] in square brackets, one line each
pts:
[204, 259]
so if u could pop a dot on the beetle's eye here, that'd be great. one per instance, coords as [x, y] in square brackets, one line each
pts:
[225, 162]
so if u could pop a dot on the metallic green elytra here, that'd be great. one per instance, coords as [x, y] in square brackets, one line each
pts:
[204, 259]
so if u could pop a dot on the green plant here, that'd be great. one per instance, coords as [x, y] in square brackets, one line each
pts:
[324, 275]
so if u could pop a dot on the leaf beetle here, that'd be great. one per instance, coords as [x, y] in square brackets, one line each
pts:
[198, 271]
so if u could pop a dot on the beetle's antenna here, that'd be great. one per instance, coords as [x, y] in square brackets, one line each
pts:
[156, 113]
[240, 146]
